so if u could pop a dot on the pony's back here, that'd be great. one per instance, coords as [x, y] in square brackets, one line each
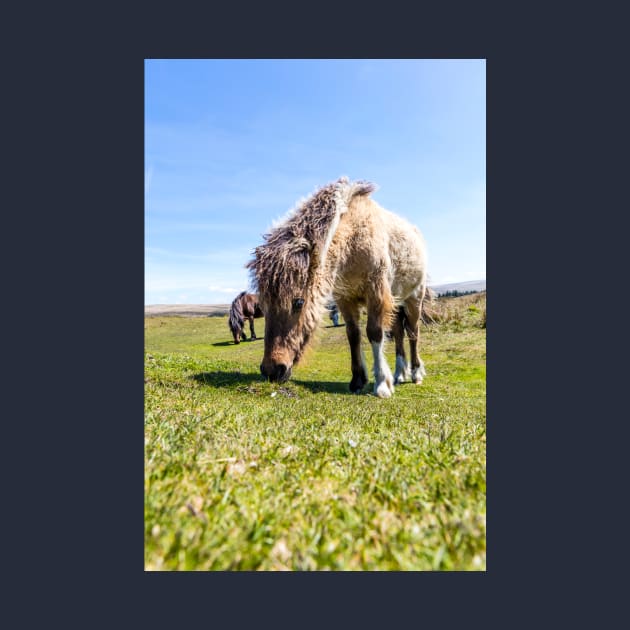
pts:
[370, 238]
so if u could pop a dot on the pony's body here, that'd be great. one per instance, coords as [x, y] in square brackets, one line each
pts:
[343, 242]
[245, 306]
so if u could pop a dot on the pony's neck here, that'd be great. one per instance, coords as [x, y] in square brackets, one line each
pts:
[324, 277]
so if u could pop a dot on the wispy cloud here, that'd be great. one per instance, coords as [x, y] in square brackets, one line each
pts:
[194, 280]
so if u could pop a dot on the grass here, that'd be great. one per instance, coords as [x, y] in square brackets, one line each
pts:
[241, 474]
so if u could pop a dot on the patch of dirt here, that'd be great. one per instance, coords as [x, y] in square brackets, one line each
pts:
[250, 389]
[287, 392]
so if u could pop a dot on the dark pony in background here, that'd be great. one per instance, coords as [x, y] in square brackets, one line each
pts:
[341, 242]
[244, 306]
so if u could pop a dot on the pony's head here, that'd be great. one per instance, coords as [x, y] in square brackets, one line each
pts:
[283, 272]
[236, 331]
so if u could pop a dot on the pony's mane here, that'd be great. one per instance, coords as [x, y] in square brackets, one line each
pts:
[285, 265]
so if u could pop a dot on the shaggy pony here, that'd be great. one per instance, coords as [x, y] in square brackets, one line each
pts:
[341, 241]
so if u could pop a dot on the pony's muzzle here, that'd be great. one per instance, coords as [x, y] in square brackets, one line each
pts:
[276, 372]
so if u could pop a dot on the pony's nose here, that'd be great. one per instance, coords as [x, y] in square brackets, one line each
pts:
[278, 372]
[281, 373]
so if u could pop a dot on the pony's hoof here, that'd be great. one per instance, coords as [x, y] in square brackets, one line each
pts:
[418, 374]
[384, 389]
[358, 382]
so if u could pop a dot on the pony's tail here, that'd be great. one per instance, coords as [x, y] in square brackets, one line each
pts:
[426, 313]
[236, 320]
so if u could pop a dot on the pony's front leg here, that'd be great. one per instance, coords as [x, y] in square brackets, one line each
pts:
[350, 314]
[383, 380]
[251, 328]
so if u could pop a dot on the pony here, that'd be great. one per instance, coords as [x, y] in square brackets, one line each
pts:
[244, 306]
[339, 241]
[333, 313]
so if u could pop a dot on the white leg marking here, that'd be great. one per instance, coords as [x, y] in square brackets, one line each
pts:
[402, 370]
[383, 380]
[417, 374]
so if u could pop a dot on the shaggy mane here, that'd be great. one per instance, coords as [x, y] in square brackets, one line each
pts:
[286, 264]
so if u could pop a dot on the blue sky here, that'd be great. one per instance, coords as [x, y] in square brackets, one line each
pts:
[232, 145]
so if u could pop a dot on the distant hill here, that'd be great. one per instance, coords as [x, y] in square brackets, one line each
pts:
[187, 310]
[472, 285]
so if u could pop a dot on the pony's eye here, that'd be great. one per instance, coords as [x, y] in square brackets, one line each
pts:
[298, 303]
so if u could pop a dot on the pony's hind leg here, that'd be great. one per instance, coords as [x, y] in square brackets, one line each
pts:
[398, 329]
[251, 328]
[350, 312]
[379, 312]
[413, 308]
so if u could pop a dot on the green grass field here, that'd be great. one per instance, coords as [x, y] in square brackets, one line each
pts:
[242, 474]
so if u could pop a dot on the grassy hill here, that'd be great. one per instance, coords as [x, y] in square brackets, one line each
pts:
[242, 474]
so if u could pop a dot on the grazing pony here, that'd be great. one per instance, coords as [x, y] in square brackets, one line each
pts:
[340, 241]
[244, 306]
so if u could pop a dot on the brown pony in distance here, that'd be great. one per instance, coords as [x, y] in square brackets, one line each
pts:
[340, 241]
[244, 306]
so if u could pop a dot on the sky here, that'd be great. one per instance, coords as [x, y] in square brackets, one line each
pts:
[231, 145]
